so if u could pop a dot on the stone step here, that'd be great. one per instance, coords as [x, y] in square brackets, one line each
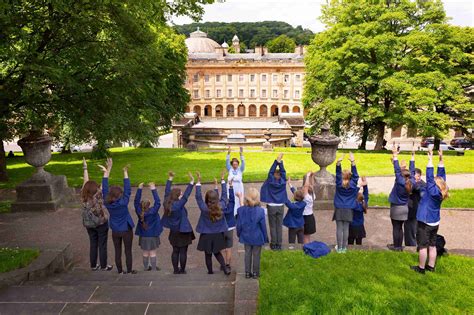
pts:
[116, 309]
[130, 283]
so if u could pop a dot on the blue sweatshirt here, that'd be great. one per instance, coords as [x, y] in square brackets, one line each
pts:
[120, 219]
[205, 225]
[430, 204]
[151, 218]
[345, 198]
[251, 226]
[178, 220]
[273, 190]
[399, 195]
[358, 210]
[228, 204]
[294, 216]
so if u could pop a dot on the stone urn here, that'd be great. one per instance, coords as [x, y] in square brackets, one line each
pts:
[323, 152]
[43, 191]
[267, 146]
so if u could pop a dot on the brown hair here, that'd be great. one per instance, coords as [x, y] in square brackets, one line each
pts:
[299, 195]
[406, 174]
[173, 196]
[88, 191]
[145, 204]
[115, 192]
[441, 183]
[346, 177]
[360, 199]
[252, 198]
[234, 160]
[212, 201]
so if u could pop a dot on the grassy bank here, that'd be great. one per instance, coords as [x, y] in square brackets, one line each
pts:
[14, 258]
[458, 198]
[363, 282]
[153, 164]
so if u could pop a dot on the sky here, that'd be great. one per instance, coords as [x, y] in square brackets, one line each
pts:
[302, 12]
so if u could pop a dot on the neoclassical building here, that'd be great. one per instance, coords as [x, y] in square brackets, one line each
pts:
[241, 95]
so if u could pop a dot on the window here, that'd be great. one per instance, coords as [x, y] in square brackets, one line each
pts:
[298, 77]
[241, 93]
[218, 78]
[285, 94]
[229, 78]
[207, 94]
[252, 93]
[241, 77]
[275, 78]
[264, 94]
[286, 78]
[264, 78]
[218, 93]
[252, 78]
[206, 78]
[397, 132]
[229, 93]
[297, 93]
[275, 94]
[196, 78]
[196, 93]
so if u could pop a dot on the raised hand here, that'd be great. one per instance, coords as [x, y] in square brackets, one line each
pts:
[363, 181]
[152, 185]
[84, 163]
[440, 154]
[215, 181]
[228, 149]
[280, 157]
[191, 177]
[109, 164]
[170, 174]
[394, 150]
[413, 150]
[125, 168]
[241, 150]
[289, 180]
[430, 153]
[140, 186]
[339, 160]
[223, 174]
[103, 168]
[351, 157]
[198, 175]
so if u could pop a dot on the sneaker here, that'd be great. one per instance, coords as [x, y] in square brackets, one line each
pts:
[272, 246]
[291, 247]
[278, 247]
[226, 270]
[418, 269]
[97, 267]
[343, 250]
[429, 268]
[107, 268]
[248, 275]
[254, 275]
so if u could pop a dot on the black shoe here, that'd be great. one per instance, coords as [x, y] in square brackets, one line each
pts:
[97, 267]
[429, 268]
[226, 270]
[210, 272]
[254, 275]
[107, 268]
[418, 269]
[176, 272]
[157, 268]
[133, 272]
[272, 246]
[228, 266]
[182, 272]
[248, 275]
[148, 269]
[121, 272]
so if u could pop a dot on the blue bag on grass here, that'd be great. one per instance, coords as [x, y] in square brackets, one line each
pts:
[316, 249]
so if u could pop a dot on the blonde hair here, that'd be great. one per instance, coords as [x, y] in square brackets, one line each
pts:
[442, 187]
[346, 177]
[252, 198]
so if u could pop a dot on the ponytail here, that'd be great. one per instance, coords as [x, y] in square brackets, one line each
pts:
[173, 196]
[408, 184]
[145, 205]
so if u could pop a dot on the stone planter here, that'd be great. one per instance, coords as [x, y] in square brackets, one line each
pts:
[323, 152]
[37, 151]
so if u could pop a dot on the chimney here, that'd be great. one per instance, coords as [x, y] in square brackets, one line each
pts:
[258, 50]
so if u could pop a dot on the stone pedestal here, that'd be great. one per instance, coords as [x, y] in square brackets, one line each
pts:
[267, 146]
[324, 190]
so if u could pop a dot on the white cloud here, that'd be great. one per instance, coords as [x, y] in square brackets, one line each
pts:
[302, 12]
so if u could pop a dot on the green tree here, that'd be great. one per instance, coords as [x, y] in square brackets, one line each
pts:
[102, 70]
[389, 63]
[281, 44]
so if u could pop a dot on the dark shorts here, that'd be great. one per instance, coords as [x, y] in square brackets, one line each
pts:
[294, 233]
[229, 238]
[426, 235]
[309, 224]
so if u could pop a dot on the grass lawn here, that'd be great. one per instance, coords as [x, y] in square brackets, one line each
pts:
[14, 258]
[153, 165]
[363, 282]
[458, 198]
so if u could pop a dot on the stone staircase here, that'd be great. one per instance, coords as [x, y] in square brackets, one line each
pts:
[83, 291]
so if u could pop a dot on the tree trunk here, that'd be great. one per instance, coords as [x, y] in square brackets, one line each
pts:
[379, 143]
[3, 163]
[365, 136]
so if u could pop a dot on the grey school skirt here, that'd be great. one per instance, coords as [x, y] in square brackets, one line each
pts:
[149, 243]
[399, 212]
[342, 214]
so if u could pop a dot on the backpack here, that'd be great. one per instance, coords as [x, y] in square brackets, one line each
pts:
[440, 243]
[316, 249]
[89, 218]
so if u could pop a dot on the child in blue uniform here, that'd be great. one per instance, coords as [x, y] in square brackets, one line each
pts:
[428, 214]
[273, 192]
[410, 225]
[345, 201]
[252, 231]
[294, 220]
[356, 228]
[212, 224]
[175, 218]
[149, 226]
[121, 223]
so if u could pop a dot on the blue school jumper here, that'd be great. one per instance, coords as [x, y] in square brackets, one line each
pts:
[151, 218]
[430, 204]
[294, 216]
[399, 195]
[205, 225]
[346, 198]
[178, 220]
[358, 210]
[273, 190]
[228, 204]
[120, 219]
[251, 226]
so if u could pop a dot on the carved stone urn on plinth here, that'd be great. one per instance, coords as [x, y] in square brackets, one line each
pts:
[267, 146]
[323, 152]
[43, 191]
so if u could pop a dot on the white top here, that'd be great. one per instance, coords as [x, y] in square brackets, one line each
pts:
[308, 209]
[433, 224]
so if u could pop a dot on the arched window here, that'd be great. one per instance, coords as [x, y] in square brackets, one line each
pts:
[274, 110]
[207, 110]
[219, 111]
[230, 111]
[252, 111]
[285, 109]
[241, 111]
[263, 111]
[188, 110]
[197, 110]
[296, 109]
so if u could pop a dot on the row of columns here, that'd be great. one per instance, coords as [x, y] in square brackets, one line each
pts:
[243, 110]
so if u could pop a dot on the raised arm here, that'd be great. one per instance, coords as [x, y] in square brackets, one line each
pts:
[138, 199]
[242, 160]
[127, 188]
[105, 178]
[412, 163]
[169, 182]
[156, 197]
[355, 175]
[181, 202]
[307, 183]
[231, 204]
[292, 188]
[366, 194]
[224, 198]
[272, 169]
[282, 171]
[85, 172]
[441, 170]
[199, 200]
[339, 171]
[227, 159]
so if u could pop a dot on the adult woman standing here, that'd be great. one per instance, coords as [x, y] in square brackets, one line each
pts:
[236, 170]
